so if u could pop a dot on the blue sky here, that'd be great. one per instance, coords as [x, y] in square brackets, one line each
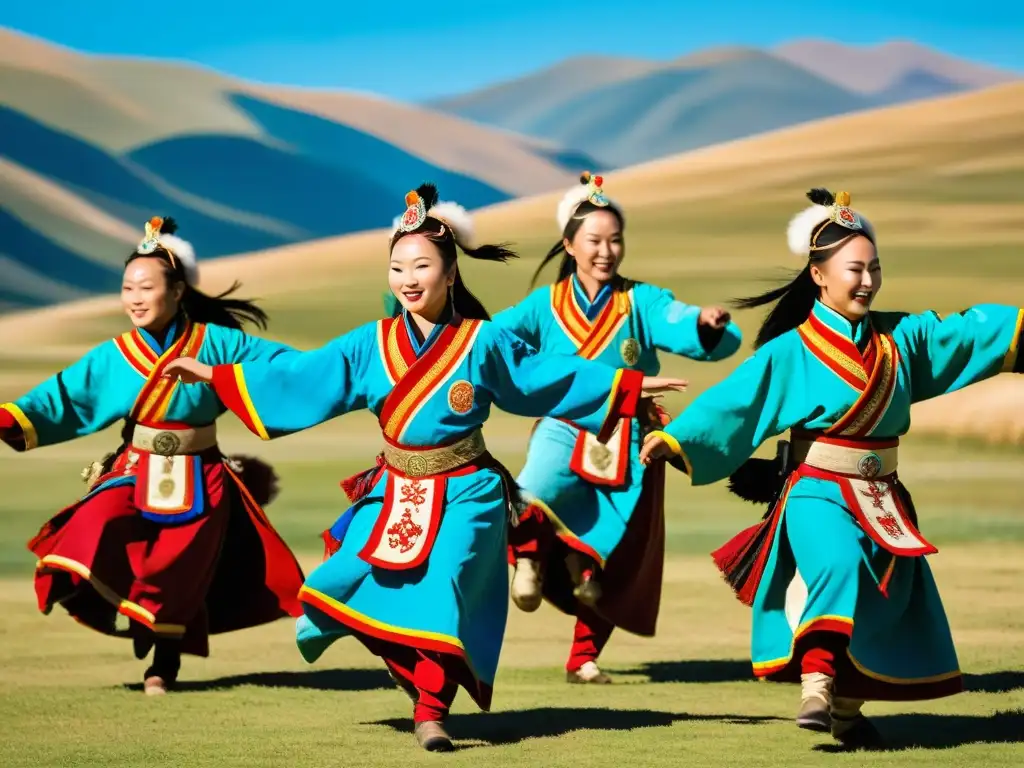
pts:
[419, 50]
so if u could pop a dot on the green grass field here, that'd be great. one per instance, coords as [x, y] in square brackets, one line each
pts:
[70, 698]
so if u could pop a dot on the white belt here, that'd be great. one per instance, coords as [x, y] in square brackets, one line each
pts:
[865, 461]
[174, 442]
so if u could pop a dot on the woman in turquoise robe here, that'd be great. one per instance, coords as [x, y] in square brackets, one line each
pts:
[843, 598]
[169, 544]
[416, 568]
[594, 506]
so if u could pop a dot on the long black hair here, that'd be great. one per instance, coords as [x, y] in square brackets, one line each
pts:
[196, 305]
[794, 301]
[567, 266]
[449, 242]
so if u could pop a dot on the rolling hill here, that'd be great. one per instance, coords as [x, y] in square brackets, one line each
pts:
[942, 180]
[90, 147]
[626, 111]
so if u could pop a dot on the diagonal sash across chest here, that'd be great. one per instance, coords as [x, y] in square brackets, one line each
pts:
[872, 375]
[595, 462]
[410, 516]
[168, 485]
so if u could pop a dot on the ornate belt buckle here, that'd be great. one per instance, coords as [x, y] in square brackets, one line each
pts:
[416, 466]
[869, 465]
[166, 444]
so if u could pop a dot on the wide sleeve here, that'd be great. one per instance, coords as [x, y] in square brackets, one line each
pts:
[725, 424]
[592, 395]
[947, 354]
[67, 405]
[239, 347]
[674, 327]
[521, 319]
[287, 393]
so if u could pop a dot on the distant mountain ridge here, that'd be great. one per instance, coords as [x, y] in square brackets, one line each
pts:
[625, 111]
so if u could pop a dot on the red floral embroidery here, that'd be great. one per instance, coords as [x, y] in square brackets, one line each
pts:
[404, 534]
[413, 493]
[890, 525]
[876, 492]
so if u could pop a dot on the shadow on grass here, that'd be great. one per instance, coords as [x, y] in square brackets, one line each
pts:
[694, 671]
[499, 728]
[928, 731]
[995, 682]
[315, 680]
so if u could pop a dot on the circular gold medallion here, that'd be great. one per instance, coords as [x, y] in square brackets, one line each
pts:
[416, 466]
[460, 397]
[630, 351]
[600, 456]
[166, 444]
[166, 487]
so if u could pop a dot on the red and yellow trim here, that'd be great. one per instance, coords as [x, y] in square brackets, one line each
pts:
[229, 385]
[28, 431]
[838, 353]
[627, 387]
[155, 397]
[840, 624]
[563, 532]
[360, 622]
[423, 378]
[675, 447]
[591, 339]
[1013, 363]
[136, 352]
[395, 348]
[870, 406]
[127, 608]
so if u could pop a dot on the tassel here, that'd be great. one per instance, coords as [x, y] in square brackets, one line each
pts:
[360, 484]
[742, 559]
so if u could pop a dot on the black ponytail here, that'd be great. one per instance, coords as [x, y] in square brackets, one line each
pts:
[441, 234]
[198, 306]
[793, 303]
[567, 265]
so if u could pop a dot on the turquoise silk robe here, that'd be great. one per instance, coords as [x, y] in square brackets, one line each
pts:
[626, 324]
[823, 571]
[425, 395]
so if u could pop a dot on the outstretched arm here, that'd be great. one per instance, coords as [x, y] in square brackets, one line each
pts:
[706, 334]
[725, 424]
[289, 392]
[67, 405]
[951, 353]
[592, 395]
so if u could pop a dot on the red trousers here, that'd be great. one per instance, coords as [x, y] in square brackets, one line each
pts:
[532, 539]
[423, 675]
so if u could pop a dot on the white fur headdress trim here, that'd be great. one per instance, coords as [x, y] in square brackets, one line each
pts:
[455, 216]
[803, 225]
[571, 201]
[185, 253]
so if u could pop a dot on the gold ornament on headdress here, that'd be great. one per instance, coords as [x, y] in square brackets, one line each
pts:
[151, 241]
[415, 212]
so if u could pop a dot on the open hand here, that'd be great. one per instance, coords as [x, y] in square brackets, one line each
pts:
[714, 317]
[654, 448]
[653, 385]
[189, 370]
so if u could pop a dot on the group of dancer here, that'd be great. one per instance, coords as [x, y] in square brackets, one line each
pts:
[170, 542]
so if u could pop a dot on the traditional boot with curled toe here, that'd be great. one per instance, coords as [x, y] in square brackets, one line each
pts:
[815, 702]
[431, 735]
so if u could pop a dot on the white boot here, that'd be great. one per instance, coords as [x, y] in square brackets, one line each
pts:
[526, 585]
[815, 702]
[588, 673]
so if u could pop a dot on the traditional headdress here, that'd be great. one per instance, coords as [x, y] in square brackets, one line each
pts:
[422, 203]
[160, 234]
[826, 224]
[588, 190]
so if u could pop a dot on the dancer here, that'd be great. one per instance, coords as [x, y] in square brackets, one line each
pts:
[416, 568]
[592, 541]
[168, 545]
[844, 600]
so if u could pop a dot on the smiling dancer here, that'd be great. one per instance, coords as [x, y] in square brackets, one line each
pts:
[843, 597]
[592, 541]
[168, 538]
[416, 569]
